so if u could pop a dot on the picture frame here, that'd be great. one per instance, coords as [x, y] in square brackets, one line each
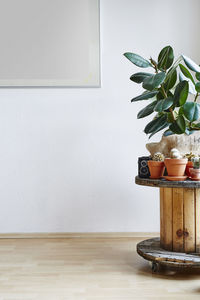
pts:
[49, 43]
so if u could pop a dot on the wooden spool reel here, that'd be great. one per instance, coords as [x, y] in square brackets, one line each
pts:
[180, 219]
[179, 214]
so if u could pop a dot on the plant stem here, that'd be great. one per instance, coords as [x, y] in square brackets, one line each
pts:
[154, 64]
[196, 96]
[162, 87]
[165, 95]
[163, 90]
[195, 128]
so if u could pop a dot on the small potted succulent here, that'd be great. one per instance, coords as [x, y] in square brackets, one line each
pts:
[195, 171]
[156, 165]
[190, 156]
[175, 165]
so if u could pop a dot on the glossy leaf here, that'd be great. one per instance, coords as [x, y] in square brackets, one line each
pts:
[168, 132]
[191, 111]
[145, 96]
[197, 125]
[160, 95]
[139, 77]
[181, 111]
[163, 104]
[191, 64]
[137, 60]
[153, 81]
[165, 58]
[171, 80]
[165, 124]
[155, 124]
[169, 94]
[198, 76]
[197, 87]
[178, 126]
[191, 90]
[170, 119]
[181, 93]
[186, 72]
[149, 109]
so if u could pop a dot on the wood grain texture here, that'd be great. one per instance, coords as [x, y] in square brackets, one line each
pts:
[87, 269]
[197, 215]
[167, 215]
[165, 183]
[161, 217]
[189, 230]
[178, 220]
[150, 250]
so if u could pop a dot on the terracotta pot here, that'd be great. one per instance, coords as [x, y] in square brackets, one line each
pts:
[195, 173]
[188, 167]
[175, 166]
[156, 168]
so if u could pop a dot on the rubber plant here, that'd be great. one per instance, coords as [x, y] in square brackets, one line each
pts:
[167, 89]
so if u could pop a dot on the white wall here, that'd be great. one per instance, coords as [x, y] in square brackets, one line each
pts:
[68, 157]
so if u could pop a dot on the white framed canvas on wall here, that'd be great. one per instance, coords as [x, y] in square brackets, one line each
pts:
[49, 43]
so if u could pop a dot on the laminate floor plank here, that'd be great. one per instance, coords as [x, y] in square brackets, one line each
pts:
[87, 269]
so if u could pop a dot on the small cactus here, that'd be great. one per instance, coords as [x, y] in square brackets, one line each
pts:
[158, 156]
[174, 153]
[196, 162]
[190, 156]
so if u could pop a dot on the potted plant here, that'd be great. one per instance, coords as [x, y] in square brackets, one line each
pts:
[167, 90]
[156, 165]
[175, 165]
[195, 171]
[189, 165]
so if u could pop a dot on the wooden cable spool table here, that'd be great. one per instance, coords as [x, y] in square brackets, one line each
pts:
[179, 242]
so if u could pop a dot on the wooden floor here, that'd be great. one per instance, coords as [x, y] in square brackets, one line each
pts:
[86, 269]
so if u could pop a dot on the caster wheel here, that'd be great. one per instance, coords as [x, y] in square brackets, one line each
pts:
[154, 267]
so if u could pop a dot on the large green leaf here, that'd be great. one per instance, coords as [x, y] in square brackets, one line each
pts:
[191, 90]
[164, 125]
[191, 64]
[149, 109]
[145, 96]
[163, 104]
[170, 118]
[152, 82]
[170, 80]
[181, 111]
[198, 76]
[165, 58]
[191, 111]
[187, 73]
[197, 125]
[197, 87]
[160, 95]
[137, 60]
[139, 77]
[181, 93]
[155, 124]
[178, 126]
[168, 132]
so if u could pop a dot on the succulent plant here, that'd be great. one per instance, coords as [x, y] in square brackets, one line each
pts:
[190, 156]
[196, 162]
[175, 153]
[158, 156]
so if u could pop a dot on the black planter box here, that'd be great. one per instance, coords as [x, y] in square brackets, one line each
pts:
[143, 169]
